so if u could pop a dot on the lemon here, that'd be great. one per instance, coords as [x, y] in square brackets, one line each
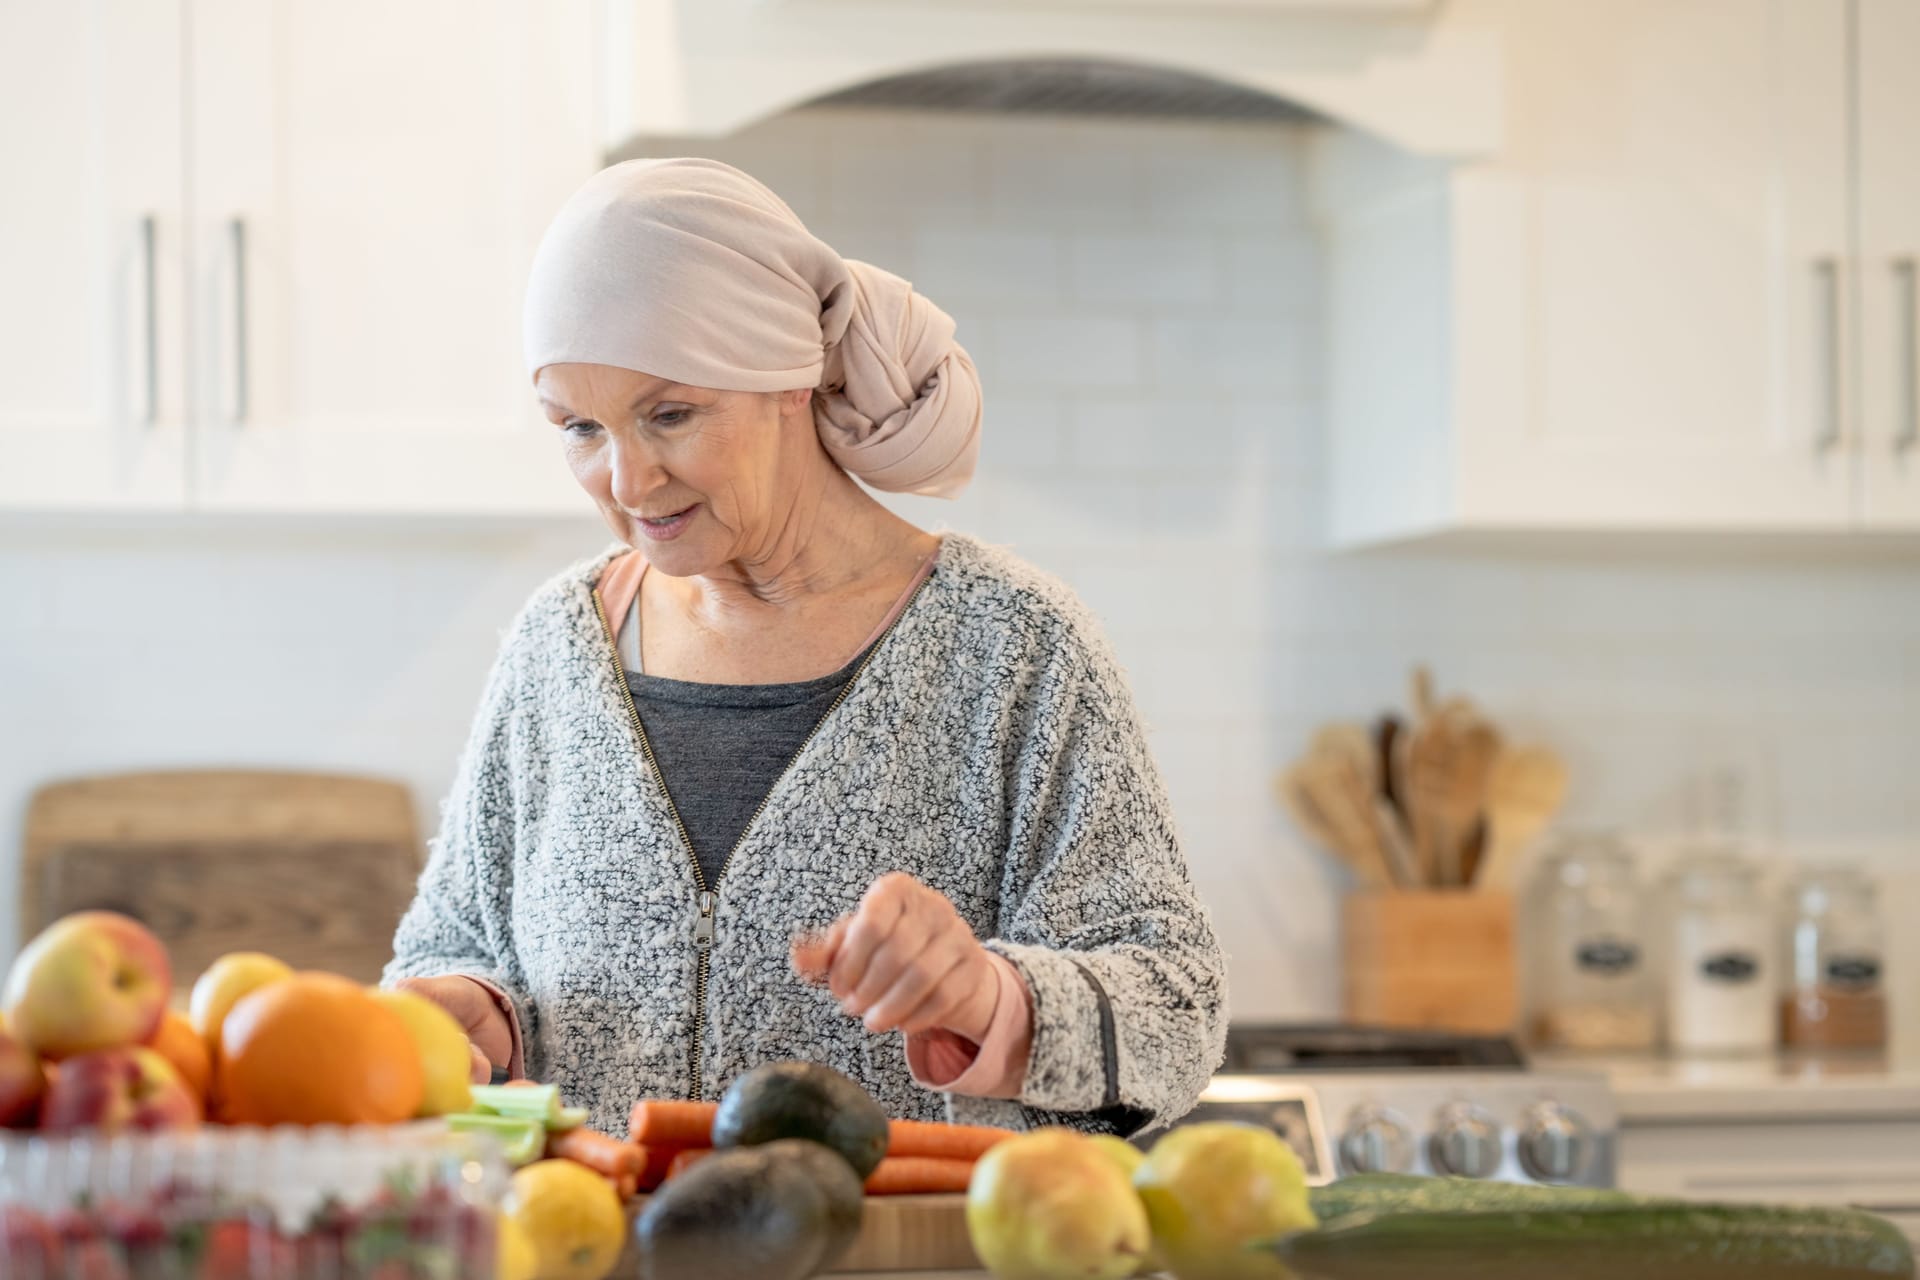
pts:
[444, 1057]
[513, 1255]
[227, 979]
[572, 1217]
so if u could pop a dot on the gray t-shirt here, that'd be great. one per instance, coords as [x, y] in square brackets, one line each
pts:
[721, 747]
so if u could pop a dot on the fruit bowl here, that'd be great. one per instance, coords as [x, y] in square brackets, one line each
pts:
[411, 1202]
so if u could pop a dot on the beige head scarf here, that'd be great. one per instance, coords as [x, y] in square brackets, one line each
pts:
[687, 268]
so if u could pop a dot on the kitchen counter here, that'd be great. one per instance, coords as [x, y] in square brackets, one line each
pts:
[1651, 1091]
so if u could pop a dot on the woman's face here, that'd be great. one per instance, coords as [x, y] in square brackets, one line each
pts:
[693, 477]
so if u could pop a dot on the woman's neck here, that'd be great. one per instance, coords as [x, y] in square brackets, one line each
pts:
[833, 539]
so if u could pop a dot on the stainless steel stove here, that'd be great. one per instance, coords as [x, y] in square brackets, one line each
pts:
[1362, 1100]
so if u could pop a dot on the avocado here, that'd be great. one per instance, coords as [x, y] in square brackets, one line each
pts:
[845, 1197]
[753, 1213]
[803, 1100]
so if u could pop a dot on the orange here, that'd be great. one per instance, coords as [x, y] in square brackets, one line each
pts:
[176, 1041]
[316, 1049]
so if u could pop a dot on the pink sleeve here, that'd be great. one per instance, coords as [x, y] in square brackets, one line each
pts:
[516, 1063]
[994, 1068]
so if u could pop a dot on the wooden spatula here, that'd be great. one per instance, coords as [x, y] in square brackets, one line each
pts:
[1525, 790]
[1448, 762]
[1317, 791]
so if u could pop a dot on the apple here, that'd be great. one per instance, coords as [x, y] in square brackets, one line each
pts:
[116, 1089]
[22, 1084]
[92, 980]
[27, 1241]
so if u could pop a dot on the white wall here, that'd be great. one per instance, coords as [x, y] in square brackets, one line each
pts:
[1142, 302]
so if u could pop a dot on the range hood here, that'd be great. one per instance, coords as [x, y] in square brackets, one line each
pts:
[708, 68]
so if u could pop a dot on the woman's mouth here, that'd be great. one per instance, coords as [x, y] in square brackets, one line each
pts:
[666, 528]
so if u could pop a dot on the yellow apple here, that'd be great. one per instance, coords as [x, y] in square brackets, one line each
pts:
[232, 976]
[445, 1058]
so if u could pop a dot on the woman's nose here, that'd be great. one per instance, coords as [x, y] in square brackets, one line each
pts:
[636, 472]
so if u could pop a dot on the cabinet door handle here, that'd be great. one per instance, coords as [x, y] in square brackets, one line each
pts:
[1906, 272]
[1833, 432]
[237, 241]
[150, 318]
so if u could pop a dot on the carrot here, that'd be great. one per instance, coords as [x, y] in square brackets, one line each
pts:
[607, 1156]
[918, 1175]
[658, 1161]
[671, 1123]
[942, 1141]
[685, 1160]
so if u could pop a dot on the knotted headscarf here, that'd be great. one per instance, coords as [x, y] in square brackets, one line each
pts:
[687, 268]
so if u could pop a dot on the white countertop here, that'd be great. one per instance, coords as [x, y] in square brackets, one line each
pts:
[1651, 1090]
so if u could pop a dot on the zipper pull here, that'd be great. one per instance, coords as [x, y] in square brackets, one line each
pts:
[703, 923]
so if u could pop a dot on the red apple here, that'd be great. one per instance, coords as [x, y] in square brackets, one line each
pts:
[22, 1083]
[91, 980]
[117, 1089]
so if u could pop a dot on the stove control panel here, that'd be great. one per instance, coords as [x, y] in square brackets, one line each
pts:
[1512, 1126]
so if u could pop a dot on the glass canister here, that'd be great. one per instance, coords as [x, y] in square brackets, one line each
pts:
[1833, 998]
[250, 1203]
[1720, 983]
[1594, 988]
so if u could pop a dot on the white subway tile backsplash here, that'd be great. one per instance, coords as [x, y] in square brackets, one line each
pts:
[1232, 177]
[1145, 267]
[1044, 171]
[1066, 348]
[998, 266]
[1249, 353]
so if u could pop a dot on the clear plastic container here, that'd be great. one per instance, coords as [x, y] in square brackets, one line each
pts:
[1720, 987]
[1595, 993]
[405, 1202]
[1833, 1000]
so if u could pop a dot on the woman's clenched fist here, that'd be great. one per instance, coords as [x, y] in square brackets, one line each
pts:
[904, 960]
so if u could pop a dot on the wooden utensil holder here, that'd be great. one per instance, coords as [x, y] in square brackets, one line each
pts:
[1435, 959]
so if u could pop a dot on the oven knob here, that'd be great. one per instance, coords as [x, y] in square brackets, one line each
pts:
[1553, 1145]
[1465, 1142]
[1375, 1142]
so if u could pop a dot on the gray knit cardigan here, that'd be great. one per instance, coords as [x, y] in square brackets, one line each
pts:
[989, 748]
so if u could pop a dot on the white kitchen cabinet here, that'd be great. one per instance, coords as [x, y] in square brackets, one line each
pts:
[1889, 264]
[369, 182]
[1636, 317]
[92, 381]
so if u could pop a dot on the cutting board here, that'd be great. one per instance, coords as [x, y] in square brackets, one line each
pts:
[912, 1233]
[314, 868]
[897, 1233]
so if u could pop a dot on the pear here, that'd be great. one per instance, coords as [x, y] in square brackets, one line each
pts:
[1212, 1189]
[1128, 1158]
[1125, 1156]
[1052, 1204]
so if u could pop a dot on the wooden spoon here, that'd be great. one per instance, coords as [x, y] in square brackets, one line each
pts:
[1448, 763]
[1525, 790]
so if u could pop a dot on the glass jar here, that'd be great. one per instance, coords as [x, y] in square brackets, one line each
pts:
[1594, 992]
[1832, 999]
[250, 1203]
[1720, 985]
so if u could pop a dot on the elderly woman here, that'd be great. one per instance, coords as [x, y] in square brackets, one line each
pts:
[776, 711]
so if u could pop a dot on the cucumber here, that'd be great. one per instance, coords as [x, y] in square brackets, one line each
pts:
[1403, 1192]
[1626, 1236]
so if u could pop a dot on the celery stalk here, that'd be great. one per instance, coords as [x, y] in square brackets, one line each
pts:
[522, 1139]
[529, 1102]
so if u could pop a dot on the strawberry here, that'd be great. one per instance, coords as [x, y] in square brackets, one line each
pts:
[28, 1245]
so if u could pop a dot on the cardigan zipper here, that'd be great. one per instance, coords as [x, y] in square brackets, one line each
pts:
[706, 897]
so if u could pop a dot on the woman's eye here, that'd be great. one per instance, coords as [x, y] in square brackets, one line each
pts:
[580, 427]
[671, 418]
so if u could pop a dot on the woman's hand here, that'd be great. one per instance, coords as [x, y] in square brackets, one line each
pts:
[904, 960]
[472, 1006]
